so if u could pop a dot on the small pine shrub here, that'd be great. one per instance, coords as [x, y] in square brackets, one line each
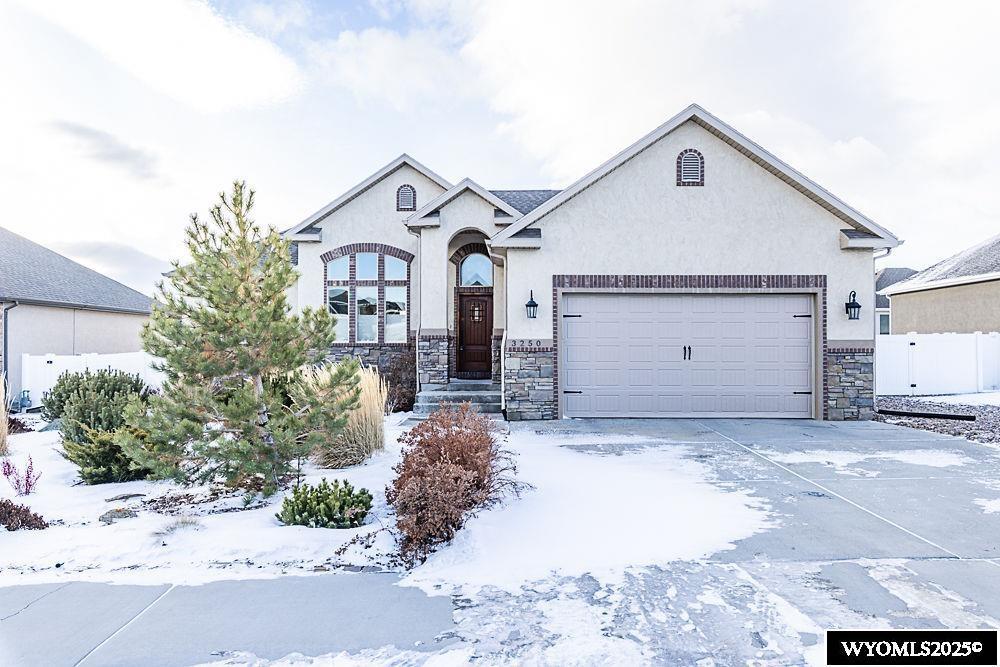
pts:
[105, 382]
[19, 517]
[98, 402]
[452, 467]
[325, 505]
[101, 459]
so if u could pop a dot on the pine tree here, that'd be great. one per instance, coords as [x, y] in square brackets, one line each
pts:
[228, 346]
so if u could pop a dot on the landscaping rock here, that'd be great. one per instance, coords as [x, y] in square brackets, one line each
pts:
[111, 516]
[986, 428]
[124, 496]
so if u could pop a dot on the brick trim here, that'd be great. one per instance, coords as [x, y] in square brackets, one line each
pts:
[352, 284]
[691, 283]
[399, 192]
[476, 247]
[701, 167]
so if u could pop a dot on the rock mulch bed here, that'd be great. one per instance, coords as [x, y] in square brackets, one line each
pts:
[986, 427]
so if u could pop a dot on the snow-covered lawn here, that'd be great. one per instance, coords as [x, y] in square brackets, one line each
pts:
[982, 398]
[585, 514]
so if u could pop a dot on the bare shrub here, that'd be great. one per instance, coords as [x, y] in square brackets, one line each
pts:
[401, 374]
[452, 467]
[180, 523]
[18, 517]
[23, 483]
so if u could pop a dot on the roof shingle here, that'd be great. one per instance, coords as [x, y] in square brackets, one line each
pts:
[34, 274]
[525, 201]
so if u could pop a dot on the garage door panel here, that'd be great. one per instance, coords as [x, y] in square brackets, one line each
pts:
[626, 355]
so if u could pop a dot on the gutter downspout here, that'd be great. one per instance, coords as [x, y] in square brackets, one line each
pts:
[416, 346]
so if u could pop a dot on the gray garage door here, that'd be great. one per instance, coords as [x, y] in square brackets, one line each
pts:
[676, 355]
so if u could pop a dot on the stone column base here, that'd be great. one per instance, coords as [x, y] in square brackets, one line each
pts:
[850, 384]
[432, 359]
[529, 385]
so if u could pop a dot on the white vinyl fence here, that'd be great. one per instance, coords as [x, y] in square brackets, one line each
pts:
[39, 372]
[948, 363]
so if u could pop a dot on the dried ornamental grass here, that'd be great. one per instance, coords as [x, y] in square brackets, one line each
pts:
[366, 425]
[4, 416]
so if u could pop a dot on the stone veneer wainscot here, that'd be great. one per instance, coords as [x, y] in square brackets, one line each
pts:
[529, 385]
[850, 377]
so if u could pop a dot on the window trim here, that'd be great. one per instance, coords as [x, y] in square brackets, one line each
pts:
[701, 167]
[352, 283]
[888, 320]
[399, 199]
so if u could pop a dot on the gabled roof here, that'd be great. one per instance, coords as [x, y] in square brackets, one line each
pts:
[741, 143]
[977, 264]
[30, 273]
[421, 217]
[404, 159]
[525, 201]
[890, 275]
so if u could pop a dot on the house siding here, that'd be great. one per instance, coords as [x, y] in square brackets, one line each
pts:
[958, 309]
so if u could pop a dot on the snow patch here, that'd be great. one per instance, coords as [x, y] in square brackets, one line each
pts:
[989, 506]
[594, 514]
[983, 398]
[842, 460]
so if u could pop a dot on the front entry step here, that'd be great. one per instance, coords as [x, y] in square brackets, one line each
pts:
[484, 396]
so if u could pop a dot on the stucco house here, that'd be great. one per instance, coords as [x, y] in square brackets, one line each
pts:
[49, 304]
[884, 277]
[960, 294]
[693, 274]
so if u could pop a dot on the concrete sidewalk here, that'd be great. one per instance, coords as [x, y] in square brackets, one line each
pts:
[91, 624]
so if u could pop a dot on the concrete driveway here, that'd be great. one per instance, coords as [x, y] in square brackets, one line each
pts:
[875, 526]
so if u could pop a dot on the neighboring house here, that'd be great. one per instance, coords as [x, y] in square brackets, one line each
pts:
[960, 294]
[883, 278]
[51, 305]
[692, 274]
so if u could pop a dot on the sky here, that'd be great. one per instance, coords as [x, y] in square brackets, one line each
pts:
[119, 119]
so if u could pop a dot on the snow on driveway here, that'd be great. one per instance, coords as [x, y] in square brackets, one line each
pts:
[595, 515]
[982, 398]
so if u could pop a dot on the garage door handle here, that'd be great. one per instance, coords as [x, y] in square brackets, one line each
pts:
[567, 391]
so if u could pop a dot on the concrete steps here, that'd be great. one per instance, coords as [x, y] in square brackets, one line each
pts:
[483, 395]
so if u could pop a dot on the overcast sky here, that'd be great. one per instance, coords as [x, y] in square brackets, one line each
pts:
[120, 118]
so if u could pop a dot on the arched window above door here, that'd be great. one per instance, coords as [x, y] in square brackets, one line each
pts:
[476, 270]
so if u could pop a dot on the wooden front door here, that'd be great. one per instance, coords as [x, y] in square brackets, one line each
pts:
[475, 332]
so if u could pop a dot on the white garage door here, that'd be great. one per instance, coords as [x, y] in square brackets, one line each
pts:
[676, 355]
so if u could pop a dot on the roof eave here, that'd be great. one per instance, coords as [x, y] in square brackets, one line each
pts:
[73, 306]
[734, 138]
[361, 187]
[903, 288]
[848, 243]
[417, 219]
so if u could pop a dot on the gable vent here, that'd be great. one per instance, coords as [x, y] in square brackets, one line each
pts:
[406, 198]
[690, 168]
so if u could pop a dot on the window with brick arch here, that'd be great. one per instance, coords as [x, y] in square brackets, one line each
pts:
[690, 167]
[406, 198]
[368, 293]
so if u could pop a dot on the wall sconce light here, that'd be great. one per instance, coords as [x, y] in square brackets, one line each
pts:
[852, 307]
[531, 306]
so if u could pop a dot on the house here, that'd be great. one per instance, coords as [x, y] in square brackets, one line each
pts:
[890, 275]
[692, 274]
[51, 305]
[960, 294]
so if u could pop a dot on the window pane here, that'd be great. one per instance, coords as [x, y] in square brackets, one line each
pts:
[337, 301]
[395, 314]
[339, 269]
[395, 269]
[367, 314]
[883, 323]
[367, 266]
[477, 270]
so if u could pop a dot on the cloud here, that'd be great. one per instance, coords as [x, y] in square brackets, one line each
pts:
[183, 49]
[124, 263]
[275, 18]
[105, 147]
[381, 66]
